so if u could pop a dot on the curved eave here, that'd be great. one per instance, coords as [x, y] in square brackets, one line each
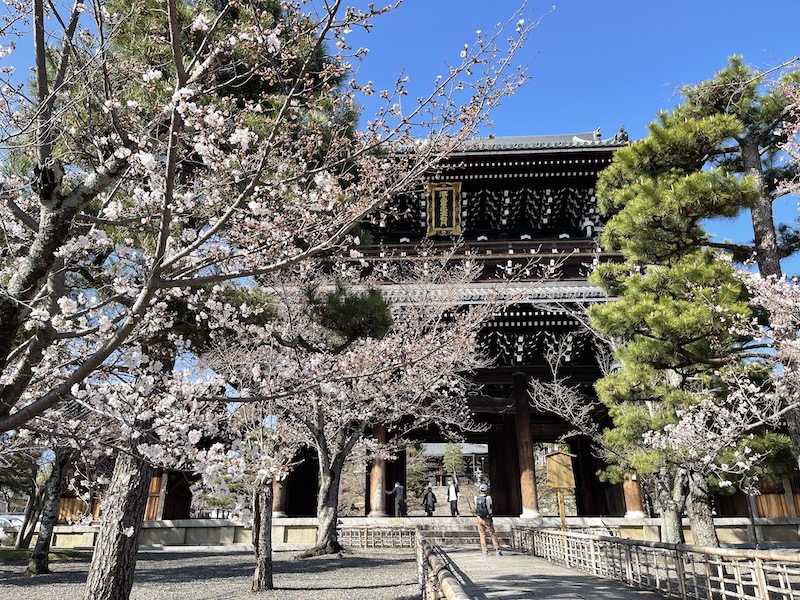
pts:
[548, 292]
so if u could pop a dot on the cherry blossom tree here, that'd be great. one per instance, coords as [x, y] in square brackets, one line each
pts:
[328, 390]
[790, 182]
[162, 148]
[777, 300]
[150, 174]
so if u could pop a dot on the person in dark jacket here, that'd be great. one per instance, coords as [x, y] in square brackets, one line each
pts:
[399, 493]
[429, 501]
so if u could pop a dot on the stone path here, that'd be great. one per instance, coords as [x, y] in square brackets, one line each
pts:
[363, 574]
[515, 575]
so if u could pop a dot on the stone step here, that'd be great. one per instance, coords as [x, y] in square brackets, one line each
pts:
[464, 541]
[460, 532]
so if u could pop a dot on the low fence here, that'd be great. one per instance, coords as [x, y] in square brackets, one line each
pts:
[377, 537]
[678, 570]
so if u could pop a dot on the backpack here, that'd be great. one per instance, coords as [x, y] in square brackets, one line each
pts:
[481, 509]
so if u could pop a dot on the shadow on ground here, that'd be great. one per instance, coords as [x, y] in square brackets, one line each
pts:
[216, 575]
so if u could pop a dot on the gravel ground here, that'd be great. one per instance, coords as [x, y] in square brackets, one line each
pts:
[204, 574]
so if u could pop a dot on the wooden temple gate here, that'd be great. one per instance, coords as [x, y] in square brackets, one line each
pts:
[521, 205]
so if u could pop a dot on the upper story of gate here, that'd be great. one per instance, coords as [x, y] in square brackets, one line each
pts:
[511, 200]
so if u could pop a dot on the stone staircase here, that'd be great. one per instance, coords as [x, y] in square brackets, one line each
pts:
[460, 531]
[440, 531]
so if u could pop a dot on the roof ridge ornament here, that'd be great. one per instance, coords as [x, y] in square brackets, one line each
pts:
[621, 137]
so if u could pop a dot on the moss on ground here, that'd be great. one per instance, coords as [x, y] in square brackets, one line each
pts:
[11, 555]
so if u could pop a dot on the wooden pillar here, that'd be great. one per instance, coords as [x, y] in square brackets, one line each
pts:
[788, 494]
[377, 478]
[527, 464]
[634, 502]
[279, 497]
[163, 474]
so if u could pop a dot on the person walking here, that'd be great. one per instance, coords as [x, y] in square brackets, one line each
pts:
[483, 511]
[429, 501]
[452, 497]
[399, 493]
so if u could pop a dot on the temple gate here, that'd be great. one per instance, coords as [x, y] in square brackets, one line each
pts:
[514, 200]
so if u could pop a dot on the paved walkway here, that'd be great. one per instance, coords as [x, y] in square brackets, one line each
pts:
[515, 575]
[373, 574]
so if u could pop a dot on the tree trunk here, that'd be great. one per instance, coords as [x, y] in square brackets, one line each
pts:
[671, 493]
[262, 537]
[328, 511]
[40, 558]
[768, 255]
[33, 508]
[331, 465]
[114, 559]
[698, 506]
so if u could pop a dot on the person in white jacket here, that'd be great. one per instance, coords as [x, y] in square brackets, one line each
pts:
[452, 497]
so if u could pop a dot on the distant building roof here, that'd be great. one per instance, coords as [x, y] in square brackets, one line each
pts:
[466, 449]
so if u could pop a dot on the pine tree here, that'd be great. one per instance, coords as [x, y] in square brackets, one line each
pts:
[453, 460]
[714, 156]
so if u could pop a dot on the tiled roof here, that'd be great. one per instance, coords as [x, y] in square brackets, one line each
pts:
[590, 139]
[506, 144]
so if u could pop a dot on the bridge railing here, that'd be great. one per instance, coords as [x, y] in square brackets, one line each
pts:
[678, 570]
[436, 579]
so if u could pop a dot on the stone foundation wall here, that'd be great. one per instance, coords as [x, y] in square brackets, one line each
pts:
[301, 532]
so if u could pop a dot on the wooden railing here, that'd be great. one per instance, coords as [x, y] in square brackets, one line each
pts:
[435, 577]
[377, 537]
[678, 570]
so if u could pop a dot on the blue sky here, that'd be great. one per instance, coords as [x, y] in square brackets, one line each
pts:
[594, 63]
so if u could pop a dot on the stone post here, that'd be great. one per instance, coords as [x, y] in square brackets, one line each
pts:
[527, 465]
